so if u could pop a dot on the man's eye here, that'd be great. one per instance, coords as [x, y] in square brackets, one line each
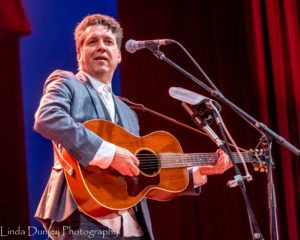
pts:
[91, 42]
[109, 42]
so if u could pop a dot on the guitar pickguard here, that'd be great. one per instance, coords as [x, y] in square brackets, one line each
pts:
[136, 184]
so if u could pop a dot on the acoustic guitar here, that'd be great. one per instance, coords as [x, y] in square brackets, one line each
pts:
[163, 170]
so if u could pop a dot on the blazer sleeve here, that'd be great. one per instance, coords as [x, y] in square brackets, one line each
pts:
[53, 118]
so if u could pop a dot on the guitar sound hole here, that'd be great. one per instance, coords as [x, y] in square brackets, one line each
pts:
[149, 162]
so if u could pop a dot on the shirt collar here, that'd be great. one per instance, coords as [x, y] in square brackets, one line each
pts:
[98, 85]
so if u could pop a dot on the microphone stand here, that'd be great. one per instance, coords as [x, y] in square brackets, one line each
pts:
[267, 137]
[202, 117]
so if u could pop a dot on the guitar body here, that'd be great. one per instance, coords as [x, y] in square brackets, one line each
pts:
[99, 192]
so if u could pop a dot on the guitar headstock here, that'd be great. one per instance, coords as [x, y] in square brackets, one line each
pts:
[259, 160]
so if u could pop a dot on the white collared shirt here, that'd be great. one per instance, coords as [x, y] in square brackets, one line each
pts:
[105, 93]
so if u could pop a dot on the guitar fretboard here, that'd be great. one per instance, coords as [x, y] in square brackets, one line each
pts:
[173, 160]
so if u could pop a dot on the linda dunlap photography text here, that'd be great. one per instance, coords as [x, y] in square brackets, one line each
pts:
[31, 231]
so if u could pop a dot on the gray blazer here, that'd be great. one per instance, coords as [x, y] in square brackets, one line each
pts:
[68, 101]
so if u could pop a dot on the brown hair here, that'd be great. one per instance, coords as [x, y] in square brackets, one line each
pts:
[97, 19]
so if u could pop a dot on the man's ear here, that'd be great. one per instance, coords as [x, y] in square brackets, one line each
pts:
[119, 57]
[78, 56]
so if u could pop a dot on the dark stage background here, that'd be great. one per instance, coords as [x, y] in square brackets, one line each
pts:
[251, 51]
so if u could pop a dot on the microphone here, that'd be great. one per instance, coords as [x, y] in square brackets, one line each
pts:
[198, 107]
[133, 46]
[190, 97]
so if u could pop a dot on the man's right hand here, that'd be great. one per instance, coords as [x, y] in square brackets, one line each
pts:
[125, 162]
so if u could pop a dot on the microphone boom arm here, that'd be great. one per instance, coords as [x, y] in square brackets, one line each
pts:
[262, 128]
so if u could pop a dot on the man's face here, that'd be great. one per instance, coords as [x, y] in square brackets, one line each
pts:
[99, 54]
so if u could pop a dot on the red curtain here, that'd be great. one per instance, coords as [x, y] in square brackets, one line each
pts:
[14, 208]
[13, 20]
[275, 42]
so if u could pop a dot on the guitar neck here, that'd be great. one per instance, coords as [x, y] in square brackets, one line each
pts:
[175, 160]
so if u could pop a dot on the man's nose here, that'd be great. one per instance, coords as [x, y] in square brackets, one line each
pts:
[101, 46]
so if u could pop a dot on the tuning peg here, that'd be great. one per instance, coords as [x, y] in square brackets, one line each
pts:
[256, 169]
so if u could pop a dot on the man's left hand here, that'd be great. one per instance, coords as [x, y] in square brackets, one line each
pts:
[220, 167]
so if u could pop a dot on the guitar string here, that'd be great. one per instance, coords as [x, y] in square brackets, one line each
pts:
[171, 164]
[168, 157]
[182, 158]
[186, 154]
[152, 162]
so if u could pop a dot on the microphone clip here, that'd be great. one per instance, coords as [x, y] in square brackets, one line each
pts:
[203, 119]
[154, 47]
[204, 111]
[201, 109]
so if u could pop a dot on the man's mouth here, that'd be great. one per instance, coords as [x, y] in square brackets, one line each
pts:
[101, 58]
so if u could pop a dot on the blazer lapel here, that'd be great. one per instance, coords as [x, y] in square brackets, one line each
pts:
[93, 93]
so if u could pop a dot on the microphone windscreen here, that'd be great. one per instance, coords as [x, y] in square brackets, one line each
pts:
[186, 96]
[129, 46]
